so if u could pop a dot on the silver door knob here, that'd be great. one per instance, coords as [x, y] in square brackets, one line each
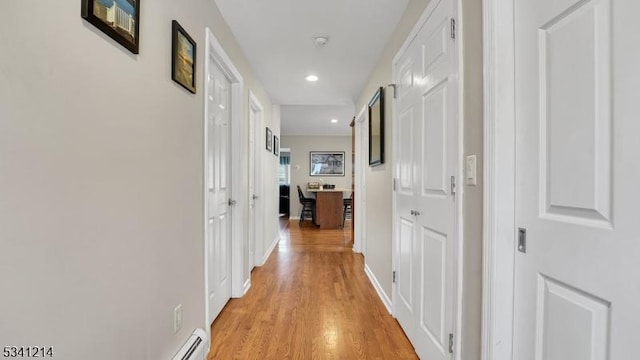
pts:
[255, 197]
[232, 202]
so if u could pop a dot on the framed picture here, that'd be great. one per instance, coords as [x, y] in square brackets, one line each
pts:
[326, 163]
[269, 140]
[376, 128]
[183, 58]
[276, 146]
[120, 19]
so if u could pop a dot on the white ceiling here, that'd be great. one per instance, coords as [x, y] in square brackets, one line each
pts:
[277, 37]
[316, 120]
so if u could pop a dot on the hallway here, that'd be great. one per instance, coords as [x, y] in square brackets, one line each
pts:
[311, 300]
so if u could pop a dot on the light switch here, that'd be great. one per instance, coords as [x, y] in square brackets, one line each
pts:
[470, 170]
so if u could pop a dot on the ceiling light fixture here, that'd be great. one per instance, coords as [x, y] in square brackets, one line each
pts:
[312, 78]
[334, 121]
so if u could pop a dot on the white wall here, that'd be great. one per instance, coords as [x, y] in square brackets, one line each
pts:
[379, 179]
[300, 147]
[269, 196]
[101, 178]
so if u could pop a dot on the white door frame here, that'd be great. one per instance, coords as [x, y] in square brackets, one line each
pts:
[359, 237]
[458, 294]
[214, 50]
[258, 251]
[499, 180]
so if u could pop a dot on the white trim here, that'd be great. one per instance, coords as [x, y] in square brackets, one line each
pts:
[238, 177]
[376, 285]
[246, 286]
[359, 213]
[499, 180]
[458, 294]
[270, 250]
[255, 105]
[297, 217]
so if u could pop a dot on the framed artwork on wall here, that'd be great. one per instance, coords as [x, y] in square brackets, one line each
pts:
[376, 128]
[120, 19]
[326, 163]
[269, 140]
[276, 146]
[183, 58]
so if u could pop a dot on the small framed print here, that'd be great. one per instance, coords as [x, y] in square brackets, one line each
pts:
[183, 58]
[119, 19]
[269, 140]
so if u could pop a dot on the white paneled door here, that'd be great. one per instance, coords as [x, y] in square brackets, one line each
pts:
[426, 162]
[218, 242]
[577, 280]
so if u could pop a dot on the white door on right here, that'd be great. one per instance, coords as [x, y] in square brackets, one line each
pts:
[577, 281]
[427, 161]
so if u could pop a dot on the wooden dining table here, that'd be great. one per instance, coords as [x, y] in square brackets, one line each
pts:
[329, 207]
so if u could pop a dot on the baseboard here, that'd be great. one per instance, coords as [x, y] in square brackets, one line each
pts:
[270, 250]
[294, 217]
[376, 285]
[246, 286]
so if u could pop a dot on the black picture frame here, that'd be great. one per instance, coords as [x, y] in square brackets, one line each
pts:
[125, 31]
[327, 163]
[376, 128]
[183, 57]
[269, 140]
[276, 146]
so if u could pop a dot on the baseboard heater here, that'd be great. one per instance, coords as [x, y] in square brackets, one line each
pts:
[194, 348]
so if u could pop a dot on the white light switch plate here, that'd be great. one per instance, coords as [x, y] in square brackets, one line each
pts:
[470, 170]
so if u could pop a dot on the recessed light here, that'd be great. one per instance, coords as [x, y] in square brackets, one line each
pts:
[312, 78]
[334, 121]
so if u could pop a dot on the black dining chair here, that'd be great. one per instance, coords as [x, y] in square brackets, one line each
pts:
[347, 205]
[308, 207]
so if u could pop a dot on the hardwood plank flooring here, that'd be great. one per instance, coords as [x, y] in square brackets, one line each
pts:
[311, 300]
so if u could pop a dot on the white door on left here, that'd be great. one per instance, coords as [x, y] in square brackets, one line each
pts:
[218, 242]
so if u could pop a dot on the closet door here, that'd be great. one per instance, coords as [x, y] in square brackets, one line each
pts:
[425, 199]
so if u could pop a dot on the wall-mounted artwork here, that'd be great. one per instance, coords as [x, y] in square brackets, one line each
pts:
[276, 146]
[326, 163]
[269, 140]
[183, 58]
[120, 19]
[376, 128]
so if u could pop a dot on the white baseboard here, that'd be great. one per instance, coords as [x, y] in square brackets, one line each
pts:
[246, 286]
[270, 250]
[376, 285]
[294, 217]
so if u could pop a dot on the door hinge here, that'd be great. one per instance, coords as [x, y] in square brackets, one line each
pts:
[394, 276]
[453, 185]
[522, 240]
[453, 28]
[450, 343]
[395, 90]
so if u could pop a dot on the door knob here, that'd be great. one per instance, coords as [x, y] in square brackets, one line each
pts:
[255, 197]
[232, 202]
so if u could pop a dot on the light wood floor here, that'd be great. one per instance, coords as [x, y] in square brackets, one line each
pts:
[311, 300]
